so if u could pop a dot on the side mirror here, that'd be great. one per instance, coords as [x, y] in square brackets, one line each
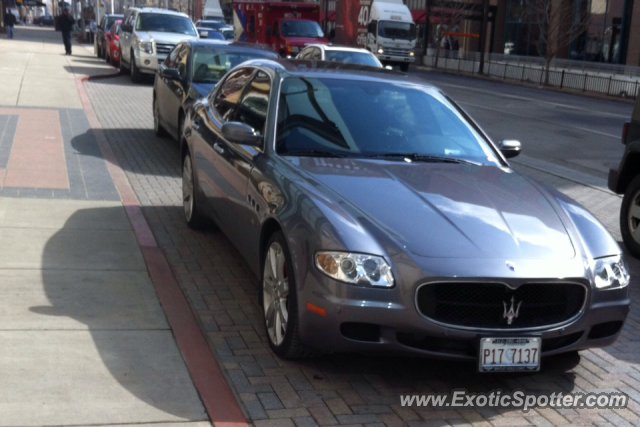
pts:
[126, 28]
[509, 148]
[240, 133]
[170, 73]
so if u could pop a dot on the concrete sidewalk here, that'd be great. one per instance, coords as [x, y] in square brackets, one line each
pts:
[85, 340]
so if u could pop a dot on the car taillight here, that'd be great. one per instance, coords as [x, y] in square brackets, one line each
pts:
[288, 48]
[625, 131]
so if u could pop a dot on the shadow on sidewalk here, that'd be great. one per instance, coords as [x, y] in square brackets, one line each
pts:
[115, 299]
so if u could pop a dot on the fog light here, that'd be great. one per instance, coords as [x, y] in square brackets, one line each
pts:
[147, 62]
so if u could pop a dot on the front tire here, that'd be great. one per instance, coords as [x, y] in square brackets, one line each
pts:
[630, 217]
[136, 75]
[404, 67]
[192, 213]
[280, 301]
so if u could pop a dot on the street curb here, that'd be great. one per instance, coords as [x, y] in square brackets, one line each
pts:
[220, 403]
[523, 84]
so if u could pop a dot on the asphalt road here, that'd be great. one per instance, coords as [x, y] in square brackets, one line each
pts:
[573, 131]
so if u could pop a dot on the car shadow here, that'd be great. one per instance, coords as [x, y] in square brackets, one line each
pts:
[93, 273]
[132, 148]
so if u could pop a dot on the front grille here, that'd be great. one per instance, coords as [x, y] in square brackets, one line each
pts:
[163, 49]
[482, 305]
[396, 52]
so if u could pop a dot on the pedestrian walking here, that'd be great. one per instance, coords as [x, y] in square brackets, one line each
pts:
[65, 23]
[9, 22]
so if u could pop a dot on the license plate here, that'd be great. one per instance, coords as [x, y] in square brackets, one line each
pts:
[509, 354]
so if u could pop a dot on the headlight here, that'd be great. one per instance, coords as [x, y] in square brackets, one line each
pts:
[411, 53]
[359, 269]
[611, 272]
[380, 51]
[146, 47]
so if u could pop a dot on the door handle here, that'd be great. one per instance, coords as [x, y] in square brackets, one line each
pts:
[195, 124]
[219, 148]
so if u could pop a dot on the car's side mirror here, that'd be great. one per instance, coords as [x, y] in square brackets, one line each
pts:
[240, 133]
[170, 73]
[509, 148]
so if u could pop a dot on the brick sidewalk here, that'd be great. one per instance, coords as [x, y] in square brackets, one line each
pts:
[345, 389]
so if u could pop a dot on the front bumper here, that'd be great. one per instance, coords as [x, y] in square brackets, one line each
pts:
[394, 58]
[148, 62]
[360, 319]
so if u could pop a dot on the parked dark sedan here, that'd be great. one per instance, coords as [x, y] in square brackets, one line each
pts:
[380, 217]
[100, 46]
[190, 72]
[46, 20]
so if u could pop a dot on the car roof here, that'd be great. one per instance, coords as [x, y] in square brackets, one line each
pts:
[335, 47]
[226, 44]
[338, 70]
[158, 10]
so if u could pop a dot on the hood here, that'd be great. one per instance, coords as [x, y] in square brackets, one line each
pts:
[170, 38]
[303, 41]
[201, 89]
[448, 210]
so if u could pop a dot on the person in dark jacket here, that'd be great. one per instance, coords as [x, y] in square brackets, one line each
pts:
[65, 22]
[9, 22]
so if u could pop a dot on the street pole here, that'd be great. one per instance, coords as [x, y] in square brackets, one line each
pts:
[483, 34]
[427, 18]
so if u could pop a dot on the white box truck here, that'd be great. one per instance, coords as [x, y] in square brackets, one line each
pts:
[384, 27]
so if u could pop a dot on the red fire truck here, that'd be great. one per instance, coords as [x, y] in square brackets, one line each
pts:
[286, 27]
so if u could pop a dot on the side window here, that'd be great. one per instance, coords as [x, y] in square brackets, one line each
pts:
[304, 54]
[253, 107]
[276, 30]
[315, 54]
[181, 64]
[131, 19]
[229, 94]
[372, 27]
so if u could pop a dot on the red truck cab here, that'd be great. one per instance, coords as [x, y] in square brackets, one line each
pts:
[286, 27]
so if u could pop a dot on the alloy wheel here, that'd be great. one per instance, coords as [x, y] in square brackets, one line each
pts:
[633, 217]
[187, 188]
[275, 294]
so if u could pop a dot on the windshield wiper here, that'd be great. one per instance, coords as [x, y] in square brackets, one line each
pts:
[415, 157]
[313, 153]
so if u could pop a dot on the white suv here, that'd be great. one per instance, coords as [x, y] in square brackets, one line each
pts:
[147, 35]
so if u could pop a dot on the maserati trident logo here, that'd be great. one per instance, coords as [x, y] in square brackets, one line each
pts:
[511, 313]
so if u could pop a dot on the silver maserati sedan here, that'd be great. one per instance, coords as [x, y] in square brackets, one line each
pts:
[380, 217]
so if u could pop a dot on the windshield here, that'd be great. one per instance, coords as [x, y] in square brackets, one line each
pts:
[110, 20]
[300, 29]
[397, 30]
[211, 64]
[163, 22]
[355, 118]
[352, 57]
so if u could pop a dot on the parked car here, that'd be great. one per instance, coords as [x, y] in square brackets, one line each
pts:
[42, 21]
[100, 44]
[380, 217]
[147, 35]
[216, 24]
[112, 38]
[228, 33]
[626, 180]
[321, 52]
[190, 72]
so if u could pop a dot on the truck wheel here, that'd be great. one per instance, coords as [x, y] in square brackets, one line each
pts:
[630, 217]
[404, 67]
[136, 76]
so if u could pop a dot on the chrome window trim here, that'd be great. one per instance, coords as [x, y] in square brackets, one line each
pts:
[504, 330]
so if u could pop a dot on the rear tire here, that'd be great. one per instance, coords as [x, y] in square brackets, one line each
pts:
[280, 301]
[630, 217]
[157, 127]
[191, 208]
